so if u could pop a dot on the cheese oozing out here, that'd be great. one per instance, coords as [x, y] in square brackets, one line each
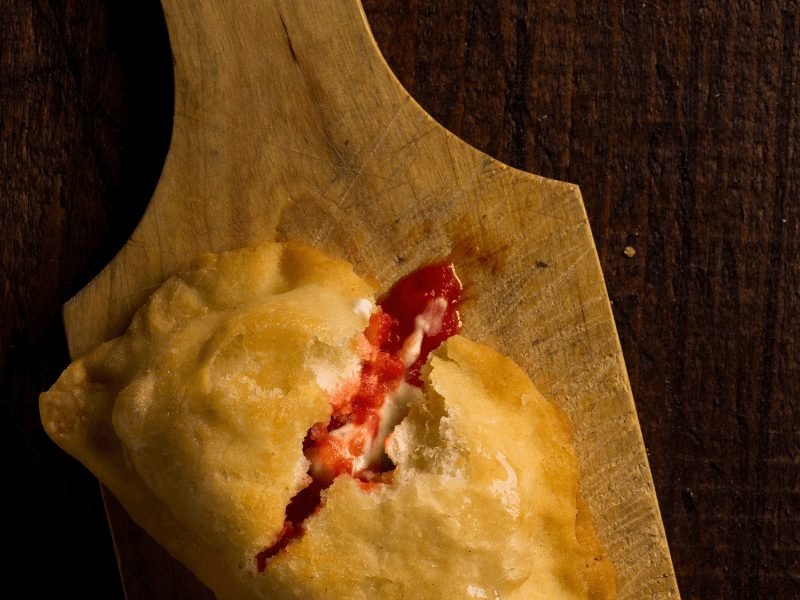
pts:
[418, 314]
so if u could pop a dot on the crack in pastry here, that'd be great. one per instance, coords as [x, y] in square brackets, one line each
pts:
[205, 419]
[416, 316]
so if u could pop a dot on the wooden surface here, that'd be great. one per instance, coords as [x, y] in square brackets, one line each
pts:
[289, 125]
[679, 124]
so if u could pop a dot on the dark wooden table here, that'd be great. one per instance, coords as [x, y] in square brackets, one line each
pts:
[679, 120]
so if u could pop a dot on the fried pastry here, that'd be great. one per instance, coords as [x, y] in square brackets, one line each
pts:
[285, 436]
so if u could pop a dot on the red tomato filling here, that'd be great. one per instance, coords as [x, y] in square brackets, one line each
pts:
[414, 318]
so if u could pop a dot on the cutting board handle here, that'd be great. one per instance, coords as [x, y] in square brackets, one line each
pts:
[274, 100]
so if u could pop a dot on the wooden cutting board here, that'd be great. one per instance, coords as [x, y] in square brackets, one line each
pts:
[289, 125]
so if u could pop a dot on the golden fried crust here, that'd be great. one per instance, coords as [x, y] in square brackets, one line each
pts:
[195, 419]
[196, 416]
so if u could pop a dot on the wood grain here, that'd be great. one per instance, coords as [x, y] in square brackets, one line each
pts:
[680, 124]
[288, 124]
